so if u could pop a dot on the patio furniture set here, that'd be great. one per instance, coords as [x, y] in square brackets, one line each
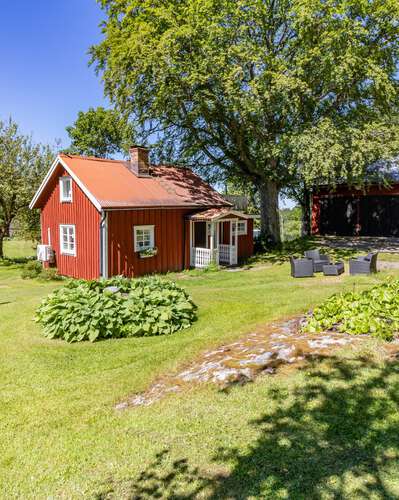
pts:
[316, 262]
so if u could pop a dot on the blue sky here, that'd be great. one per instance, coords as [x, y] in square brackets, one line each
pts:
[45, 78]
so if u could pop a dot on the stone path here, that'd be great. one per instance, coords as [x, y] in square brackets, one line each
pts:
[262, 352]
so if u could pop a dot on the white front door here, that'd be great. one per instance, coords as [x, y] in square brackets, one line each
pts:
[233, 243]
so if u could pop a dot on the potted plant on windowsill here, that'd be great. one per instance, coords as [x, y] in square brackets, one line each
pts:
[148, 252]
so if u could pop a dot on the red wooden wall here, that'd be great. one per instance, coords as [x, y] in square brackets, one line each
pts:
[171, 238]
[246, 242]
[82, 213]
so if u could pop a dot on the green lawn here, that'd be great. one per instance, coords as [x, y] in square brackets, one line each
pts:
[327, 431]
[19, 248]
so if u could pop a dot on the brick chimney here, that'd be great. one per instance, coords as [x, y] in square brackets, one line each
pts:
[139, 163]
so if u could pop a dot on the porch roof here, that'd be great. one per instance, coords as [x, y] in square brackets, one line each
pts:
[213, 214]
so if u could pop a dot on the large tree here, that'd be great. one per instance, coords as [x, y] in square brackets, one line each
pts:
[100, 132]
[248, 86]
[22, 168]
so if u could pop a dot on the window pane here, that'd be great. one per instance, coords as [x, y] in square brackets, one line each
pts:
[144, 238]
[66, 189]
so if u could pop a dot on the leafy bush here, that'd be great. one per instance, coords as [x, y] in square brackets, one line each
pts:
[374, 311]
[50, 274]
[31, 270]
[34, 269]
[114, 308]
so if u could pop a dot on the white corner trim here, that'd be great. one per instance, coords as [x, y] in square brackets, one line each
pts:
[104, 244]
[74, 177]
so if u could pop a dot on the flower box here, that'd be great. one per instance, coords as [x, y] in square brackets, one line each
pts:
[150, 252]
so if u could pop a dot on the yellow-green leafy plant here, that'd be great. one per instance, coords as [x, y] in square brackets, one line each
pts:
[374, 311]
[114, 308]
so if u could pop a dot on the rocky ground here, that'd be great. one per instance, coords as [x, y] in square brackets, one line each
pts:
[262, 352]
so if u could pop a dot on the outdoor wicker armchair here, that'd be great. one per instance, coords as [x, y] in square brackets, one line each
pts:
[365, 264]
[319, 259]
[301, 268]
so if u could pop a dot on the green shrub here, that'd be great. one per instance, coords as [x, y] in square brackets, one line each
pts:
[49, 274]
[90, 310]
[374, 312]
[31, 270]
[34, 269]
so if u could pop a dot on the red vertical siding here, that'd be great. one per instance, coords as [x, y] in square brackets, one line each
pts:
[170, 239]
[86, 218]
[246, 242]
[315, 223]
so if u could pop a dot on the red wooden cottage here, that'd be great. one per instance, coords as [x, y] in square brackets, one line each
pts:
[109, 217]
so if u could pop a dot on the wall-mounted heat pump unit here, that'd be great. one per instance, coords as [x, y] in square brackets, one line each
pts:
[45, 253]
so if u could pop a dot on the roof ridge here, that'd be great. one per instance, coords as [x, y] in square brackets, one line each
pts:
[92, 158]
[171, 165]
[96, 158]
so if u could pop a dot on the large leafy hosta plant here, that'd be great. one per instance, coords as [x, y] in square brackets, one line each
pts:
[374, 311]
[114, 308]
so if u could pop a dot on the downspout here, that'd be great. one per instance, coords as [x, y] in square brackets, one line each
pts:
[103, 245]
[184, 241]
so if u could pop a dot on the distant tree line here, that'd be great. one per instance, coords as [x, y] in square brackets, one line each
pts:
[23, 165]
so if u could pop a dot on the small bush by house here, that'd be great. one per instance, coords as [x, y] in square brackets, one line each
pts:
[34, 269]
[115, 308]
[374, 312]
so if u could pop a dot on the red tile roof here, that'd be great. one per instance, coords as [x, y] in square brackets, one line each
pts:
[112, 185]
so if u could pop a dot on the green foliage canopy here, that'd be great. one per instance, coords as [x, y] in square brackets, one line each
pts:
[100, 132]
[260, 89]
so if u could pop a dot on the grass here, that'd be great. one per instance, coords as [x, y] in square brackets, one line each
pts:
[16, 248]
[297, 247]
[328, 431]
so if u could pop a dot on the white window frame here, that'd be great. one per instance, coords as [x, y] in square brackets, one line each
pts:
[63, 180]
[244, 231]
[67, 250]
[149, 228]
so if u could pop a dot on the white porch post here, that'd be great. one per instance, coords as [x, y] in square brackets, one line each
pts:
[233, 248]
[212, 241]
[191, 243]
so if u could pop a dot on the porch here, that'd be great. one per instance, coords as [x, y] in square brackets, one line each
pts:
[214, 237]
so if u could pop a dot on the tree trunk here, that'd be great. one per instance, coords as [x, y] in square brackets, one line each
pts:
[306, 212]
[1, 244]
[269, 213]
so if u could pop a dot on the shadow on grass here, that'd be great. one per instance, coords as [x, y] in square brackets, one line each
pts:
[297, 248]
[334, 435]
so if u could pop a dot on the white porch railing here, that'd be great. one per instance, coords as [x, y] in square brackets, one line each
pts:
[202, 257]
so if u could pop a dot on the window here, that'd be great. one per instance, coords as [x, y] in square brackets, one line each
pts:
[67, 240]
[65, 189]
[143, 238]
[241, 227]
